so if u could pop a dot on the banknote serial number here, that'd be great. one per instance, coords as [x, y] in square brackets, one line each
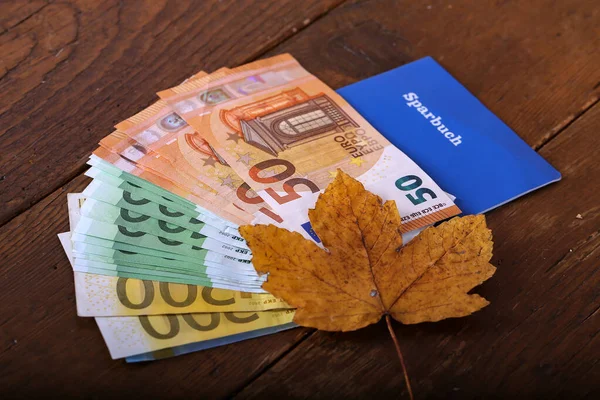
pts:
[425, 211]
[263, 302]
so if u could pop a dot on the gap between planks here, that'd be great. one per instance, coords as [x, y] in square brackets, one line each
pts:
[566, 123]
[309, 332]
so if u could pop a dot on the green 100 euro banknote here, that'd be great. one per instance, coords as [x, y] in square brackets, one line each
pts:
[148, 204]
[100, 295]
[169, 234]
[103, 248]
[102, 233]
[160, 266]
[119, 233]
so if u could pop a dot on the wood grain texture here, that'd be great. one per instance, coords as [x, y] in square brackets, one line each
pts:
[70, 70]
[533, 63]
[538, 338]
[73, 69]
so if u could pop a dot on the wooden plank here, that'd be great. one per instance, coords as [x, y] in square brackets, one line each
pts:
[71, 70]
[533, 63]
[13, 13]
[40, 315]
[539, 338]
[46, 348]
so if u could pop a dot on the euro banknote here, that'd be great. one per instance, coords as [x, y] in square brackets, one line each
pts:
[212, 197]
[118, 174]
[162, 195]
[139, 137]
[141, 337]
[101, 242]
[157, 129]
[127, 336]
[76, 202]
[207, 344]
[159, 258]
[100, 249]
[110, 162]
[205, 199]
[137, 222]
[101, 157]
[117, 143]
[136, 260]
[100, 295]
[115, 270]
[146, 203]
[105, 266]
[119, 233]
[124, 247]
[128, 182]
[286, 133]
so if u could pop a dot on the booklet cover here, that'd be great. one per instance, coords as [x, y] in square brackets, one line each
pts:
[462, 145]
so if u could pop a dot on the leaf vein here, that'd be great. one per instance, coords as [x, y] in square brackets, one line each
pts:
[432, 264]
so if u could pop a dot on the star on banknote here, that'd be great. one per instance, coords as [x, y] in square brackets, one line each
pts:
[228, 181]
[209, 161]
[233, 136]
[357, 161]
[245, 159]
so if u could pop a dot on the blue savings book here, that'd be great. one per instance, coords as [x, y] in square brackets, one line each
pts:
[462, 145]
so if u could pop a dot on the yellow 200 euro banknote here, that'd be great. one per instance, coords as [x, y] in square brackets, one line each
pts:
[100, 295]
[126, 336]
[131, 335]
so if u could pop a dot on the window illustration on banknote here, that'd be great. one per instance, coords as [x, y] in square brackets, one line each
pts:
[214, 96]
[288, 119]
[172, 123]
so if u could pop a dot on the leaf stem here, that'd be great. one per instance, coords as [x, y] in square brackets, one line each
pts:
[388, 320]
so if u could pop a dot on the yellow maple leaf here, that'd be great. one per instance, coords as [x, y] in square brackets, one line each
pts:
[365, 272]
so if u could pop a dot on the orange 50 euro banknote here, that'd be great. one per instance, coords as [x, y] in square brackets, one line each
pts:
[159, 130]
[285, 133]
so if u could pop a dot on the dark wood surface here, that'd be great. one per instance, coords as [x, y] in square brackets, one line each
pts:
[69, 70]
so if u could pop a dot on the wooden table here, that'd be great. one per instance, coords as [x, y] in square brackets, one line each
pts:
[70, 70]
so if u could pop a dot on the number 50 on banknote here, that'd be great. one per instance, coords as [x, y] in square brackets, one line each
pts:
[286, 133]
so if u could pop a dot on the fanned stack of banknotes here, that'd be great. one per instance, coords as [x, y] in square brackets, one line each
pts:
[154, 243]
